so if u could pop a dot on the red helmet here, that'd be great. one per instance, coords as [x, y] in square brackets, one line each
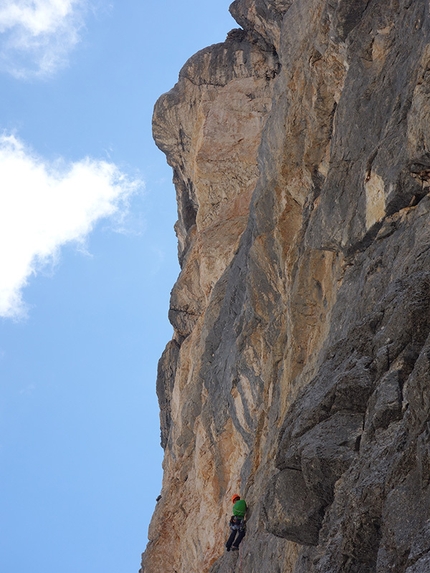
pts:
[235, 497]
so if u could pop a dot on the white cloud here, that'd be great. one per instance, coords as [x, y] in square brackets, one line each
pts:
[44, 206]
[36, 36]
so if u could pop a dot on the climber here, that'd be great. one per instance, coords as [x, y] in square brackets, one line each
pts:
[237, 523]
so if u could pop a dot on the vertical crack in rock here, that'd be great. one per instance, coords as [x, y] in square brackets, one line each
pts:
[298, 374]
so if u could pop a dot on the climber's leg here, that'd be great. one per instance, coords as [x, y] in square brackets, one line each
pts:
[239, 537]
[230, 539]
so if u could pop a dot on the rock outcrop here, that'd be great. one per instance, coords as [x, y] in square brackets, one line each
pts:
[299, 371]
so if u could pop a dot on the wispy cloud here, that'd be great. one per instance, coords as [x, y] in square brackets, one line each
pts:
[36, 36]
[44, 206]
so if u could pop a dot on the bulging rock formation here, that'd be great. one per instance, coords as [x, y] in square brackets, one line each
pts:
[299, 370]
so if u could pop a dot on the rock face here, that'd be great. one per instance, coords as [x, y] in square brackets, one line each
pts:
[299, 371]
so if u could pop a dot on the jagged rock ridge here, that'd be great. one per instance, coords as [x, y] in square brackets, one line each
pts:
[299, 369]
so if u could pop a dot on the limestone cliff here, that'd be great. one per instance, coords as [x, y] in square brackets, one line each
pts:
[299, 371]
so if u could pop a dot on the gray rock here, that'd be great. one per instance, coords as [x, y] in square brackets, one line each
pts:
[291, 510]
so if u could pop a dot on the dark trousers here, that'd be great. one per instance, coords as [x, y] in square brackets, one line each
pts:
[231, 540]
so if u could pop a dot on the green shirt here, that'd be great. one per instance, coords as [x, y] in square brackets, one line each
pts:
[239, 508]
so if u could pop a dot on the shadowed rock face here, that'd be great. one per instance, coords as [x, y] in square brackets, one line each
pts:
[299, 371]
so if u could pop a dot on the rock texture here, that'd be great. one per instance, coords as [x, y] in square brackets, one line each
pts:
[299, 371]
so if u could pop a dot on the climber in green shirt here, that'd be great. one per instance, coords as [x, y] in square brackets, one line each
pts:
[237, 523]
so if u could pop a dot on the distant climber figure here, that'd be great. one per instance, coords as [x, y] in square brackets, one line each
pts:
[237, 523]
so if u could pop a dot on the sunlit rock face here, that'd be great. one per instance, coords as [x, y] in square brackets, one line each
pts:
[299, 371]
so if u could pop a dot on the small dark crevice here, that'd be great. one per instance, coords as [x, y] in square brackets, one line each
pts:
[331, 119]
[184, 311]
[369, 163]
[182, 138]
[188, 209]
[357, 443]
[365, 242]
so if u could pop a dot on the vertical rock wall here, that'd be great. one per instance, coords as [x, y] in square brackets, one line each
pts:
[298, 374]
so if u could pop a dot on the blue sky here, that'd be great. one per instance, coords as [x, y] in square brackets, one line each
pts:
[87, 261]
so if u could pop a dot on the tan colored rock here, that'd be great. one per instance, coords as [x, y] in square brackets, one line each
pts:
[210, 128]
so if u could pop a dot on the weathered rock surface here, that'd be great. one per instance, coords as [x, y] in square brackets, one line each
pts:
[299, 372]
